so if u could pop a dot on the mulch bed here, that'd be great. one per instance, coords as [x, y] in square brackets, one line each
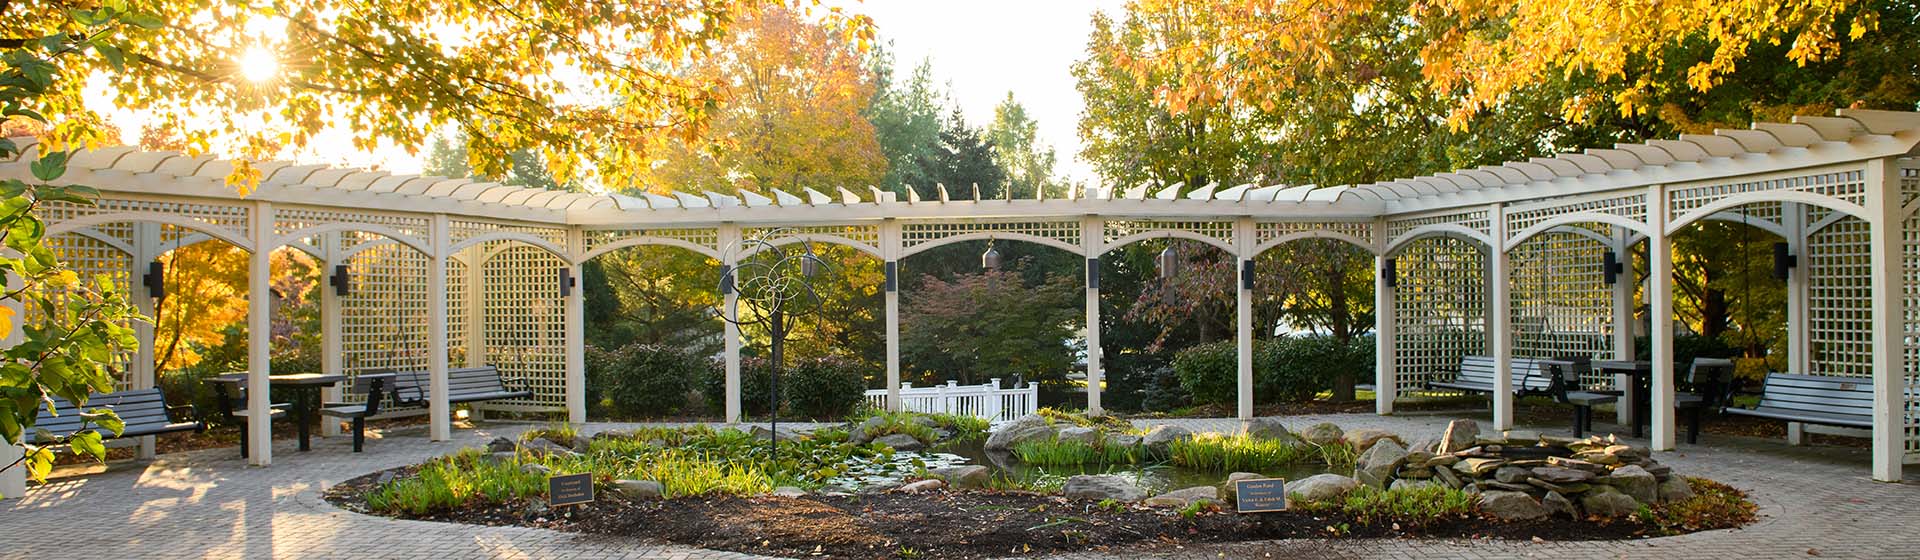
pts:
[954, 524]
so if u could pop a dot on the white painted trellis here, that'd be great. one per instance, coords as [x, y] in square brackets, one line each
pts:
[1499, 259]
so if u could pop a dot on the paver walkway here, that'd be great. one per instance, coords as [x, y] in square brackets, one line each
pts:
[1814, 502]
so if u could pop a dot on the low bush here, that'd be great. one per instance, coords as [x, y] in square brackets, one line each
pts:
[1209, 372]
[1218, 452]
[1288, 369]
[457, 480]
[1713, 506]
[642, 380]
[1408, 507]
[1109, 424]
[823, 387]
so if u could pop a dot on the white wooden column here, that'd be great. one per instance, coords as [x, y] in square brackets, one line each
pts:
[13, 482]
[260, 334]
[438, 409]
[1660, 317]
[1793, 221]
[730, 244]
[1500, 317]
[332, 358]
[1623, 322]
[1885, 222]
[890, 247]
[1386, 385]
[1093, 232]
[146, 244]
[576, 330]
[1243, 241]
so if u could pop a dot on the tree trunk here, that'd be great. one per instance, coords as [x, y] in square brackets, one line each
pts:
[1343, 380]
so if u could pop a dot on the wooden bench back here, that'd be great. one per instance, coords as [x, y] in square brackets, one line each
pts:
[137, 407]
[416, 386]
[1528, 373]
[1825, 394]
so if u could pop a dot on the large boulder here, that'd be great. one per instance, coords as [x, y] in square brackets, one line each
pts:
[1604, 501]
[1459, 436]
[1512, 506]
[544, 446]
[761, 432]
[1025, 428]
[1186, 497]
[1376, 466]
[1324, 433]
[637, 489]
[1087, 436]
[1101, 487]
[900, 442]
[1270, 428]
[964, 476]
[867, 430]
[1559, 504]
[1364, 438]
[1561, 475]
[1321, 487]
[1123, 440]
[1635, 482]
[1161, 436]
[1675, 489]
[500, 444]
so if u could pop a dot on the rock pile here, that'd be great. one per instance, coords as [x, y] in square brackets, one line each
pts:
[1527, 475]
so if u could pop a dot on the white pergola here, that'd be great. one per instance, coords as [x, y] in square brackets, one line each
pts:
[1501, 260]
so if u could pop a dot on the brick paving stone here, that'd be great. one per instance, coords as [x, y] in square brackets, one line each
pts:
[1814, 501]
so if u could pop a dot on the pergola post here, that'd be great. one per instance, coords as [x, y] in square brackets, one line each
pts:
[1500, 317]
[729, 242]
[576, 331]
[259, 334]
[1243, 241]
[1885, 221]
[146, 245]
[1793, 222]
[332, 360]
[1092, 236]
[438, 409]
[890, 247]
[1660, 317]
[1385, 387]
[1623, 323]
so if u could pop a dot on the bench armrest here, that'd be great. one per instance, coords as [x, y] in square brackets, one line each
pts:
[515, 383]
[191, 412]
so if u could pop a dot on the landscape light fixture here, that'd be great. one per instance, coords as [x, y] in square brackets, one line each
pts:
[1169, 262]
[1783, 261]
[156, 280]
[1611, 267]
[1390, 269]
[566, 282]
[339, 280]
[990, 260]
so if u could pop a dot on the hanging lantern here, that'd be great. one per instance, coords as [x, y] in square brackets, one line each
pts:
[1169, 263]
[809, 263]
[990, 260]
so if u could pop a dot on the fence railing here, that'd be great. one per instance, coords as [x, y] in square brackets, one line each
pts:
[986, 400]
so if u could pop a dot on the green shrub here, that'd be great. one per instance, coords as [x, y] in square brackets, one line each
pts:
[1407, 507]
[643, 380]
[1295, 368]
[823, 387]
[755, 386]
[1209, 372]
[1713, 506]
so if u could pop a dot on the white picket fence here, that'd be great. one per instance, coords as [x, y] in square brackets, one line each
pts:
[986, 400]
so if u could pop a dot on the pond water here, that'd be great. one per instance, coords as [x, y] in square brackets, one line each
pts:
[1154, 478]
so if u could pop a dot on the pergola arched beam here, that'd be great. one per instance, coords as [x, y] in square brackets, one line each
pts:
[817, 238]
[1363, 244]
[296, 236]
[535, 241]
[991, 236]
[643, 241]
[68, 226]
[1400, 243]
[1741, 199]
[1223, 244]
[1615, 220]
[1769, 226]
[95, 234]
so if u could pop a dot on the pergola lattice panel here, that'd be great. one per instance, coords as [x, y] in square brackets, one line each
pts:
[288, 220]
[229, 218]
[92, 258]
[1632, 206]
[1561, 303]
[1475, 220]
[599, 238]
[1265, 232]
[462, 230]
[1910, 251]
[916, 233]
[1439, 308]
[1839, 302]
[1116, 230]
[525, 322]
[383, 317]
[1844, 185]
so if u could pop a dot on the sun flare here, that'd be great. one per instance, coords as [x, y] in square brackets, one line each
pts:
[258, 64]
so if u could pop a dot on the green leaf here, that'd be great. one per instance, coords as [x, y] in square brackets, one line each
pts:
[50, 166]
[12, 188]
[144, 20]
[114, 55]
[87, 442]
[108, 420]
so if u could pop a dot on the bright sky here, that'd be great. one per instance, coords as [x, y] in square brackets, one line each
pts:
[980, 50]
[986, 48]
